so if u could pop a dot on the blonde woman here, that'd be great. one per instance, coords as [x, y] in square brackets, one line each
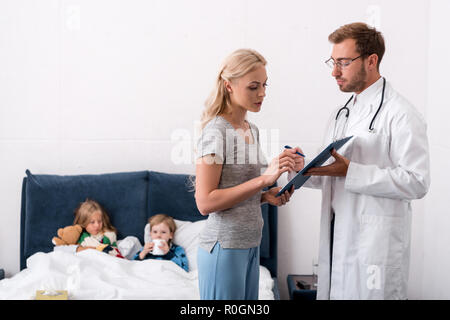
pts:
[231, 173]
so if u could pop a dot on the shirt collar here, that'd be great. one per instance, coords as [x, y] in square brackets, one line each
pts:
[370, 93]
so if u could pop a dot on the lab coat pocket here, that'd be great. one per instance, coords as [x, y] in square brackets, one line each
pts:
[381, 240]
[369, 148]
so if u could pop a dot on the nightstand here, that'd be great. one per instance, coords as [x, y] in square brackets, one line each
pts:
[301, 287]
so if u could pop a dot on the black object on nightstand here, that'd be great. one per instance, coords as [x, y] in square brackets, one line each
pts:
[2, 274]
[301, 287]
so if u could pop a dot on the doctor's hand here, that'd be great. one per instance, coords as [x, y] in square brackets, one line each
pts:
[271, 198]
[337, 169]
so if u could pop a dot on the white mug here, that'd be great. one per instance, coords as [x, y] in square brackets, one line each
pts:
[157, 251]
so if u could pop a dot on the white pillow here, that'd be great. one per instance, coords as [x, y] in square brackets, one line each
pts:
[186, 236]
[129, 246]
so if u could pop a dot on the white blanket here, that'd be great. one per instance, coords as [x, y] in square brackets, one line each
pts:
[91, 274]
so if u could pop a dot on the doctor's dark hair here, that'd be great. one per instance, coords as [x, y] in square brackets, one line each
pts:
[368, 39]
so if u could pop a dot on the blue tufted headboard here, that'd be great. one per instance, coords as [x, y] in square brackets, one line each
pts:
[130, 198]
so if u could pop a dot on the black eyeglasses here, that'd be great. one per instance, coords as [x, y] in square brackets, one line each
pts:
[342, 63]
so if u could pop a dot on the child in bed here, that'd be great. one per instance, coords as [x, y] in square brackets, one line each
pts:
[98, 232]
[163, 227]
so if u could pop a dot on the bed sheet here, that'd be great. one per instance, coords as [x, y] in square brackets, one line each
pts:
[91, 274]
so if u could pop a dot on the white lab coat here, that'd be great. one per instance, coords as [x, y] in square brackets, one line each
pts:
[389, 167]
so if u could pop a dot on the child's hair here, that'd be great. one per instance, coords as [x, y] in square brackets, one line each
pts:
[163, 218]
[84, 211]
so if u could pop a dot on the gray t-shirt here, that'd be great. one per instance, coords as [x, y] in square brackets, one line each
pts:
[239, 227]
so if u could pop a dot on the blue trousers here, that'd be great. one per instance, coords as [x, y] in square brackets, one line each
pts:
[228, 274]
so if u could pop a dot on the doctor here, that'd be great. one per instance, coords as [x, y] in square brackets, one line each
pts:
[365, 226]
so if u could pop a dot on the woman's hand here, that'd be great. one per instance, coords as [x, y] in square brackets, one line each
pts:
[299, 160]
[283, 163]
[271, 198]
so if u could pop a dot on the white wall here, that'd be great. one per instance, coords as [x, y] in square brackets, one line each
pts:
[436, 239]
[101, 86]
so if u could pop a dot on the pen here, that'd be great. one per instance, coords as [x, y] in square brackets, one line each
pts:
[289, 147]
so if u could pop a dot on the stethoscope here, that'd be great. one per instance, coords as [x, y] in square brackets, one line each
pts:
[347, 110]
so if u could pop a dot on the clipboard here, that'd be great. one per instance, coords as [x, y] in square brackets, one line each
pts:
[300, 179]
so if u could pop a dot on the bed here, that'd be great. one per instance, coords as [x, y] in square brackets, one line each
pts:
[130, 198]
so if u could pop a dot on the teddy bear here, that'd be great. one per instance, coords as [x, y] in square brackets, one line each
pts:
[67, 235]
